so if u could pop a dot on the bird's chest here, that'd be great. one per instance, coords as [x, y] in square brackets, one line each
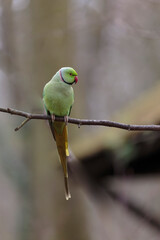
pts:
[60, 100]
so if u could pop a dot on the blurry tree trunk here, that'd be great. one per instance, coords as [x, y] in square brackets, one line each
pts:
[15, 190]
[55, 217]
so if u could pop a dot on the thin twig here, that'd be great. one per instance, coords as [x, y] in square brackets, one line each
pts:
[22, 124]
[80, 122]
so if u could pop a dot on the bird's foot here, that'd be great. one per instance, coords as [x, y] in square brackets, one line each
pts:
[66, 119]
[53, 117]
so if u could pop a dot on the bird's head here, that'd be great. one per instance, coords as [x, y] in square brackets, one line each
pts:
[68, 75]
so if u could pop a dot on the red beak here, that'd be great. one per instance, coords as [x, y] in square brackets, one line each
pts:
[76, 79]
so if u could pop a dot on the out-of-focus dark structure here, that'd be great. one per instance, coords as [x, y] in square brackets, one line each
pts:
[115, 48]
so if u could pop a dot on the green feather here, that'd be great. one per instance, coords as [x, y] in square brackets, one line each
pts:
[58, 97]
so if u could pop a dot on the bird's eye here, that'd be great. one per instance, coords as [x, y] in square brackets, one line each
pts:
[70, 74]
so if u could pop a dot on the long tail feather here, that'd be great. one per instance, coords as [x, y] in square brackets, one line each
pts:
[61, 137]
[67, 192]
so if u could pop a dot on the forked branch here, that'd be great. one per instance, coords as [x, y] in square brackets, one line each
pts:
[80, 122]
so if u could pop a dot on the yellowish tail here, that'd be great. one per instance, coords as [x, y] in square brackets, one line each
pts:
[61, 137]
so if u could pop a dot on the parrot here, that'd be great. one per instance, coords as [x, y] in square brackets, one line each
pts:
[58, 98]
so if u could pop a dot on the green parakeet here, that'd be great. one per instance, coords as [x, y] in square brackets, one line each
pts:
[58, 98]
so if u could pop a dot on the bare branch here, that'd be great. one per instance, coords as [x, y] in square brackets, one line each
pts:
[22, 124]
[80, 122]
[135, 208]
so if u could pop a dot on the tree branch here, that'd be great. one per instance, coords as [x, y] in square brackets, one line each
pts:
[22, 124]
[80, 122]
[139, 211]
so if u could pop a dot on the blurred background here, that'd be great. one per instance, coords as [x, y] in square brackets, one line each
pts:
[115, 48]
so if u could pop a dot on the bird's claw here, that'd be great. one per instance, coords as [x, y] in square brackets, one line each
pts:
[53, 117]
[66, 119]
